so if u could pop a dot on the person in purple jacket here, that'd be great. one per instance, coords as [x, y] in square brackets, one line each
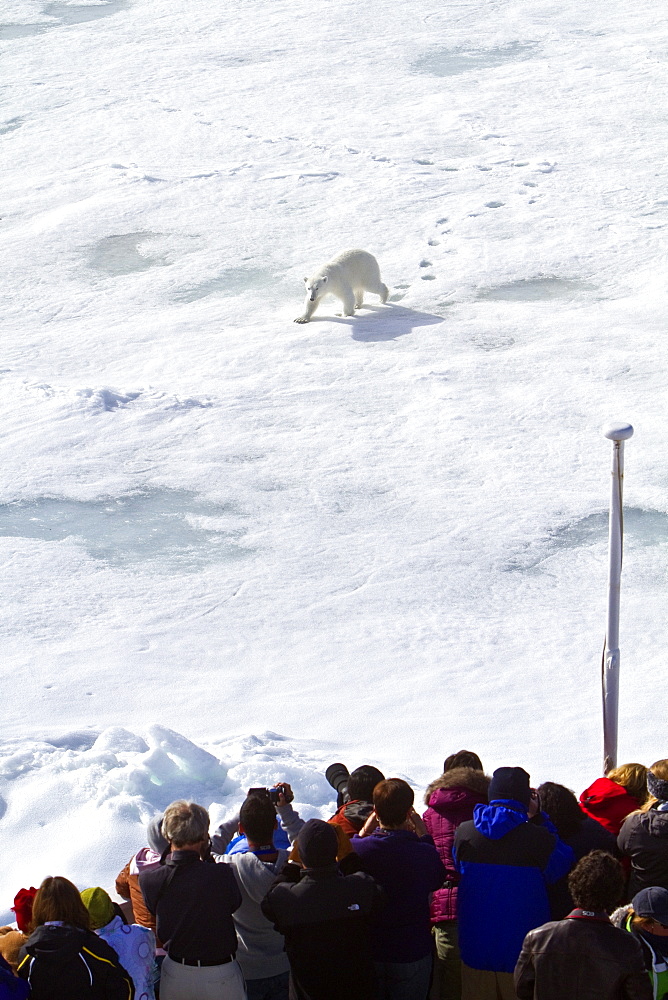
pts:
[395, 848]
[451, 800]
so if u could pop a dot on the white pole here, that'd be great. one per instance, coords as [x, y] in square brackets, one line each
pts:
[618, 433]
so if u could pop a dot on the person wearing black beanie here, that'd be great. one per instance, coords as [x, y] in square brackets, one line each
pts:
[504, 862]
[325, 919]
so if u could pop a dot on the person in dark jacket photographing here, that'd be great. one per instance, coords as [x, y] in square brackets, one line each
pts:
[326, 918]
[584, 957]
[193, 900]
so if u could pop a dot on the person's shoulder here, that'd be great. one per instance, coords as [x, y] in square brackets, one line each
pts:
[153, 876]
[98, 948]
[360, 879]
[222, 873]
[362, 845]
[623, 940]
[137, 931]
[538, 934]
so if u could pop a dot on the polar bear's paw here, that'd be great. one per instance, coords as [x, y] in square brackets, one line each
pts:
[302, 319]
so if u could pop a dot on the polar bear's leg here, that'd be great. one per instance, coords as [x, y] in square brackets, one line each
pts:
[359, 298]
[378, 288]
[309, 309]
[347, 296]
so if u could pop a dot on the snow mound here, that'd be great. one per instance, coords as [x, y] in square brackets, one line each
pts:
[79, 802]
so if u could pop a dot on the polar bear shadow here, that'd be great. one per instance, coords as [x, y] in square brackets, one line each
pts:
[387, 322]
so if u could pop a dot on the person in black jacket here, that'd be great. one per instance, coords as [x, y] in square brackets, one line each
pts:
[63, 959]
[193, 901]
[584, 957]
[325, 918]
[582, 833]
[644, 834]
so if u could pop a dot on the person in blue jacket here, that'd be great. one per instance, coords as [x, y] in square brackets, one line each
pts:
[506, 856]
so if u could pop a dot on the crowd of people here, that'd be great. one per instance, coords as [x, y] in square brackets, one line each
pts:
[498, 891]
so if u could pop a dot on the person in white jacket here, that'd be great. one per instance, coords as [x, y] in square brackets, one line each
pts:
[134, 945]
[261, 953]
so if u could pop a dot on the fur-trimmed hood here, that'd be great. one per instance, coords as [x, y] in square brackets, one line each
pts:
[459, 777]
[618, 918]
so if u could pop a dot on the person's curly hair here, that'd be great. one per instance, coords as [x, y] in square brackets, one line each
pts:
[562, 807]
[597, 882]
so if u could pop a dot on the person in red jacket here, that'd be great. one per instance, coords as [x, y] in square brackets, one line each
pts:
[451, 800]
[609, 800]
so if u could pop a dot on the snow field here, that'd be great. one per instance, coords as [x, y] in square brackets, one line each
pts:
[382, 537]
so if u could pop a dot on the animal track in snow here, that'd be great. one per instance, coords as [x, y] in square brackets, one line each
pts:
[11, 125]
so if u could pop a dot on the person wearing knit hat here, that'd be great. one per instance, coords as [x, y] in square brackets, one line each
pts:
[22, 907]
[12, 940]
[644, 834]
[325, 918]
[134, 945]
[99, 906]
[504, 864]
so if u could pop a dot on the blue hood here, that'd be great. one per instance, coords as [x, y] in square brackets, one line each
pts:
[499, 818]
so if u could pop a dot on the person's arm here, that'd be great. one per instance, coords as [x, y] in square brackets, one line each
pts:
[637, 986]
[456, 846]
[625, 835]
[560, 862]
[288, 817]
[268, 904]
[525, 974]
[149, 890]
[224, 834]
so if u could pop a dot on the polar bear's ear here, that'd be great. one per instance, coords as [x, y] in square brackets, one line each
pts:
[324, 279]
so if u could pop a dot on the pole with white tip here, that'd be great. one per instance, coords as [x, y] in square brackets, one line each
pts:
[618, 433]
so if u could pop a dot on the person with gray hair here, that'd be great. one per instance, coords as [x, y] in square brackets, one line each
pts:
[193, 900]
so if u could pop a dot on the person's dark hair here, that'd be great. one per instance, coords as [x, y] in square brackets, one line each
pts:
[258, 818]
[463, 758]
[597, 882]
[562, 807]
[58, 899]
[362, 782]
[392, 800]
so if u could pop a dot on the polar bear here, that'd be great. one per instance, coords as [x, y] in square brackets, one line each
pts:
[347, 276]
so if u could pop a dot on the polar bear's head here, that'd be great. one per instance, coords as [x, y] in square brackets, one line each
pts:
[315, 287]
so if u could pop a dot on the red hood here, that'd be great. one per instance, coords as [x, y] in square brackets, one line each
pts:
[609, 803]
